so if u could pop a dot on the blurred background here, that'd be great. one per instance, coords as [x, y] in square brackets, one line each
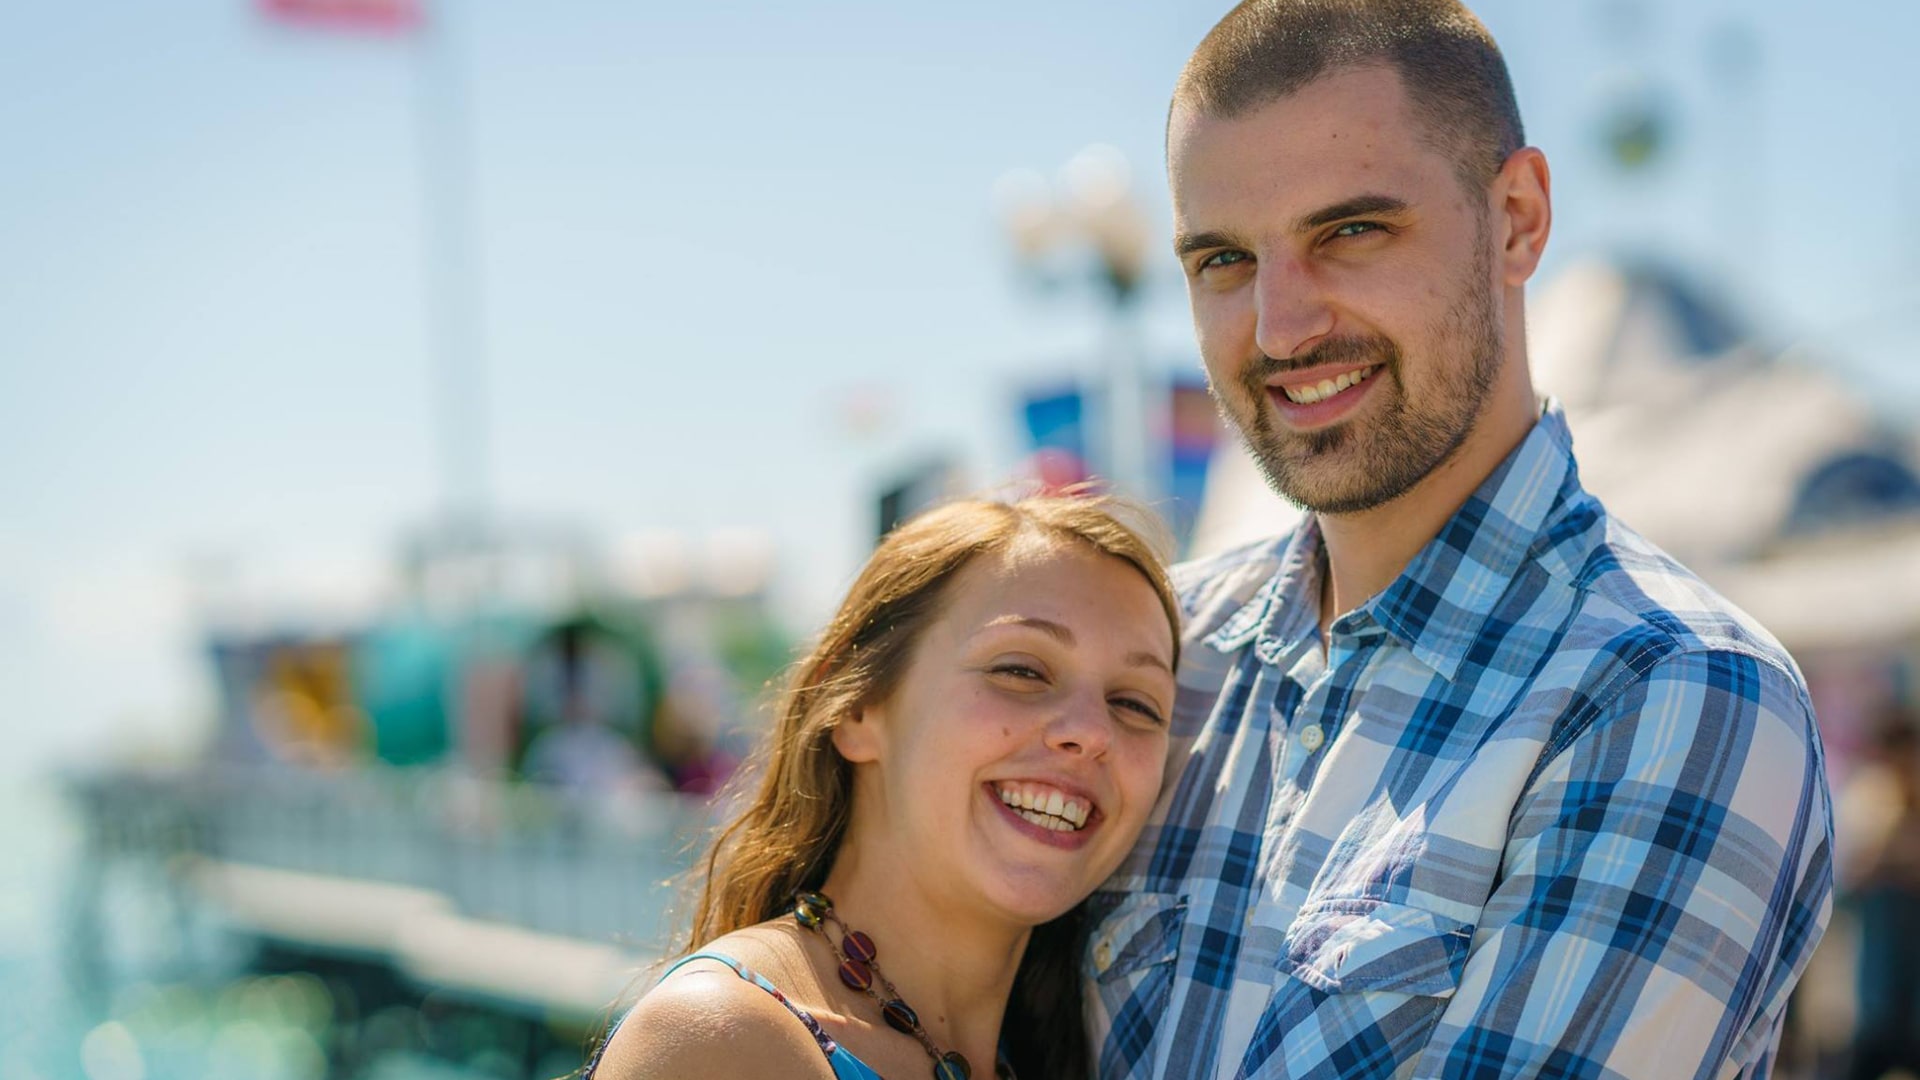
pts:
[429, 425]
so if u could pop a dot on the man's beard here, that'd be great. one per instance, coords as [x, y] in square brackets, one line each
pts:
[1370, 460]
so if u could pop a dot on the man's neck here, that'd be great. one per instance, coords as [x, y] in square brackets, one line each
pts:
[1367, 550]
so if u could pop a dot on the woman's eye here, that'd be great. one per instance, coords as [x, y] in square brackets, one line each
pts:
[1141, 707]
[1017, 671]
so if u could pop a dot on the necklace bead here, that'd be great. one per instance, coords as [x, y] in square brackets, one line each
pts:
[900, 1016]
[856, 975]
[809, 908]
[858, 971]
[859, 946]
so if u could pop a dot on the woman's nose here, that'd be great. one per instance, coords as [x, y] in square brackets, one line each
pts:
[1084, 726]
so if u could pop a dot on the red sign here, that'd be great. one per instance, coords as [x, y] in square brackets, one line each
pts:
[375, 16]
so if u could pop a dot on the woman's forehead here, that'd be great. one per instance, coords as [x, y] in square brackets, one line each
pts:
[1053, 579]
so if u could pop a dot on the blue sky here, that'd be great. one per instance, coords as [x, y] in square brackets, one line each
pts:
[703, 228]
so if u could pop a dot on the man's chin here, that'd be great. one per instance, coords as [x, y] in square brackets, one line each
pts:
[1324, 486]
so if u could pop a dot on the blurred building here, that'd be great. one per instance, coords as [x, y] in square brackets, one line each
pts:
[465, 811]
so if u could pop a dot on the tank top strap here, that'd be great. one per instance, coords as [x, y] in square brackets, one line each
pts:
[827, 1044]
[845, 1066]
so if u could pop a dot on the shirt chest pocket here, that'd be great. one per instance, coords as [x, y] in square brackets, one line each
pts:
[1131, 946]
[1347, 945]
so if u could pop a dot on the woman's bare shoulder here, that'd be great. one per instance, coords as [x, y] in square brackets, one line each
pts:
[704, 1022]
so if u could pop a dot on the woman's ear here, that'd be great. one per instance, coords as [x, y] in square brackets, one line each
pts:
[857, 736]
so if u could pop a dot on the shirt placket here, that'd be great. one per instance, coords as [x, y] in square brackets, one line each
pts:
[1299, 740]
[1303, 682]
[1261, 934]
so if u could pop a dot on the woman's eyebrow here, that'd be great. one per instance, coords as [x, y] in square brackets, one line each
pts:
[1046, 626]
[1147, 659]
[1065, 636]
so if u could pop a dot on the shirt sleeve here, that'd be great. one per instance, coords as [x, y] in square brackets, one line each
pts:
[1666, 877]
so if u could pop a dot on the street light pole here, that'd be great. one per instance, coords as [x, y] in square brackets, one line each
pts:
[1091, 207]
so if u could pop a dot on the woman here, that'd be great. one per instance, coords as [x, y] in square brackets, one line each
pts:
[970, 748]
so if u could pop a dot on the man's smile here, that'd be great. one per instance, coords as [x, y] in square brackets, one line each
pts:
[1321, 396]
[1307, 391]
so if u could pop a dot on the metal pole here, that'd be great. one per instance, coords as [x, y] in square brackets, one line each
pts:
[1129, 428]
[452, 268]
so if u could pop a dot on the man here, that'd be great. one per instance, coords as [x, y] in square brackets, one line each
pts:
[1468, 779]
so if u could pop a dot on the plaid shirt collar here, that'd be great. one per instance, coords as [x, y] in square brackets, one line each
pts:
[1439, 604]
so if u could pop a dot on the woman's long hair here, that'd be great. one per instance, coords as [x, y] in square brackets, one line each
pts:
[786, 837]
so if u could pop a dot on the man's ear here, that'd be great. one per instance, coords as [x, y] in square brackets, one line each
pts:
[1523, 207]
[857, 736]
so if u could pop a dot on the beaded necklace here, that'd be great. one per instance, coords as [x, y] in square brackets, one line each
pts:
[859, 971]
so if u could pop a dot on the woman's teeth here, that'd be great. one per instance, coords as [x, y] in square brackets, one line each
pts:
[1047, 807]
[1326, 388]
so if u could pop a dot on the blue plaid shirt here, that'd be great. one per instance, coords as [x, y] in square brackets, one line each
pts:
[1546, 806]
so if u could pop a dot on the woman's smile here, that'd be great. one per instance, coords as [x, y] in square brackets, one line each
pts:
[1050, 804]
[1044, 814]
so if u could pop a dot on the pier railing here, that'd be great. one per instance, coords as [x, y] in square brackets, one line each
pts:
[533, 896]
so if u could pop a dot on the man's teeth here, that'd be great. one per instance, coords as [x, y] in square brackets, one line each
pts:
[1047, 807]
[1326, 388]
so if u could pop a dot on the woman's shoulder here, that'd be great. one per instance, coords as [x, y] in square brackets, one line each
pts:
[704, 1020]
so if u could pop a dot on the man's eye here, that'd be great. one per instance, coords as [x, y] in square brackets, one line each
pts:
[1356, 228]
[1222, 258]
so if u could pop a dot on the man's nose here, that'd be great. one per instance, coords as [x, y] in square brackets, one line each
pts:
[1084, 726]
[1291, 308]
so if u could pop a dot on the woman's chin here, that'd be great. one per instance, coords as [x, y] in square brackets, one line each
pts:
[1031, 898]
[1035, 881]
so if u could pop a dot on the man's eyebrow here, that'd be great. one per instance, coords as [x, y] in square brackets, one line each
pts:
[1186, 244]
[1358, 206]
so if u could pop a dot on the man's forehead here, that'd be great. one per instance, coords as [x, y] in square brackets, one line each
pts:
[1371, 92]
[1348, 128]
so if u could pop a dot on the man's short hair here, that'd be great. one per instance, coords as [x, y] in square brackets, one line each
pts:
[1452, 70]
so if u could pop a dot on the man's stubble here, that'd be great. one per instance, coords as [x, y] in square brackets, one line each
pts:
[1366, 462]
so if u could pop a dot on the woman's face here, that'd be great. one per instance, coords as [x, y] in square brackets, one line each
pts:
[1017, 758]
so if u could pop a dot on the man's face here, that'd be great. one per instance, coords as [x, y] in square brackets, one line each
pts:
[1343, 287]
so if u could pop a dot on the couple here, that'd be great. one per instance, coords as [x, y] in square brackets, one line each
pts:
[1459, 778]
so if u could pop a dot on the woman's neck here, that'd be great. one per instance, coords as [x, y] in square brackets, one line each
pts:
[954, 968]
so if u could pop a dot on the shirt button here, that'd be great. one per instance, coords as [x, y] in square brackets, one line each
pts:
[1311, 737]
[1103, 956]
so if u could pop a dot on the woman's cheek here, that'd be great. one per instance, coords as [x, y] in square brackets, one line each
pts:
[1146, 768]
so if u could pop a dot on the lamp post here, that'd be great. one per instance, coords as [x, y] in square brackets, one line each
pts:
[1089, 209]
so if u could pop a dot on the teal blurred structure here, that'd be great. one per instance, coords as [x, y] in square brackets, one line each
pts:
[445, 838]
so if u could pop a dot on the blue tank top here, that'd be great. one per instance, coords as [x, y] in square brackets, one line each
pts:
[845, 1065]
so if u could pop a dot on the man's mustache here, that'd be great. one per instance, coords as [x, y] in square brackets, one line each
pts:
[1349, 350]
